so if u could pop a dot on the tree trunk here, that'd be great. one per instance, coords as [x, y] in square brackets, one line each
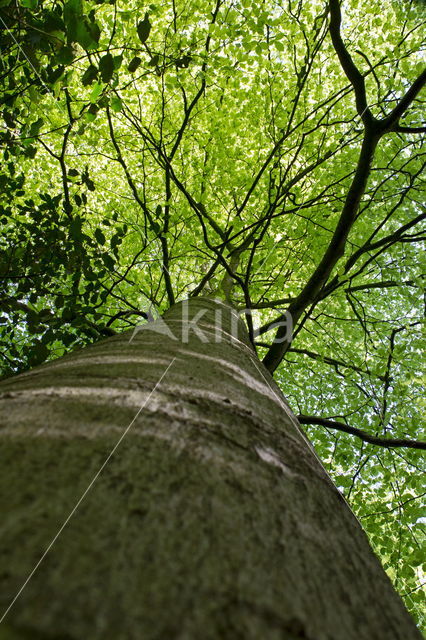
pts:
[212, 519]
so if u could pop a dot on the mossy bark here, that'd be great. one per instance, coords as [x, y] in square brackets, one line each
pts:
[213, 519]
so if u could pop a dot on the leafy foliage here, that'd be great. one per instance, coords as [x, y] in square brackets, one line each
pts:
[267, 153]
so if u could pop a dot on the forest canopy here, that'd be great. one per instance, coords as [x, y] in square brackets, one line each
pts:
[270, 154]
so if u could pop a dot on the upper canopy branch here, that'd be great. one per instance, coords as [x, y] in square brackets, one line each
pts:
[366, 437]
[391, 122]
[374, 129]
[354, 76]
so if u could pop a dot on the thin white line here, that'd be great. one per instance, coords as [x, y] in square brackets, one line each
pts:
[84, 494]
[28, 60]
[160, 258]
[50, 91]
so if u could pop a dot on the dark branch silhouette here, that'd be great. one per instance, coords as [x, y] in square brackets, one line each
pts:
[367, 437]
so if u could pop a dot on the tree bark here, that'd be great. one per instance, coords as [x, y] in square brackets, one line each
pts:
[212, 519]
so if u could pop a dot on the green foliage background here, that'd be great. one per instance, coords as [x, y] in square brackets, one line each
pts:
[150, 150]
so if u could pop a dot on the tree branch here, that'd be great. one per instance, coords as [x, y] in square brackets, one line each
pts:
[392, 120]
[373, 131]
[331, 361]
[400, 129]
[366, 437]
[352, 73]
[332, 254]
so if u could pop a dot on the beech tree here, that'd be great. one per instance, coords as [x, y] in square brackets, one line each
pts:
[269, 156]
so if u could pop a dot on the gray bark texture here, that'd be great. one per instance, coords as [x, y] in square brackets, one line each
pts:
[212, 519]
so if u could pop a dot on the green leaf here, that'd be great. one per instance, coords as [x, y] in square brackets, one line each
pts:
[90, 184]
[29, 4]
[75, 228]
[134, 64]
[93, 109]
[55, 74]
[29, 152]
[67, 206]
[117, 61]
[156, 227]
[108, 261]
[71, 16]
[96, 91]
[116, 103]
[52, 22]
[100, 237]
[106, 67]
[35, 127]
[38, 354]
[154, 60]
[72, 6]
[183, 63]
[44, 314]
[125, 15]
[143, 29]
[66, 55]
[68, 314]
[95, 32]
[78, 28]
[68, 339]
[9, 119]
[89, 75]
[83, 35]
